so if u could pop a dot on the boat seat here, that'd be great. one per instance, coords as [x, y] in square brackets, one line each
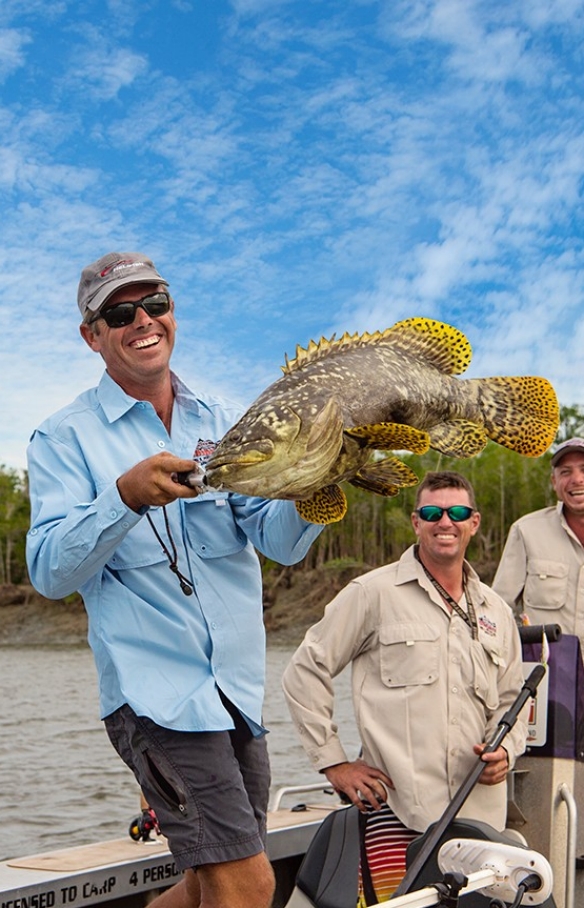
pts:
[328, 875]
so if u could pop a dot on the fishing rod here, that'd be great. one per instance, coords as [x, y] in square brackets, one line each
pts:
[506, 723]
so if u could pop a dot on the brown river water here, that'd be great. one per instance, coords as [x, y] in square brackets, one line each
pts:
[62, 784]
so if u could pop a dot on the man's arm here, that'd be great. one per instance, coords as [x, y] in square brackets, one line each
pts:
[327, 648]
[75, 531]
[275, 528]
[511, 573]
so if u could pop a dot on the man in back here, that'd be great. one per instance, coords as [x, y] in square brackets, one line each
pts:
[541, 572]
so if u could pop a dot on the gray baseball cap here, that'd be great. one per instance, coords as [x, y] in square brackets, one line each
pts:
[571, 446]
[112, 271]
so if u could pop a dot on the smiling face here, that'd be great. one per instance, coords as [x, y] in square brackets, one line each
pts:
[568, 483]
[136, 355]
[445, 541]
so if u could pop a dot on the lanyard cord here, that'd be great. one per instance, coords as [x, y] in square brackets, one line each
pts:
[185, 584]
[471, 618]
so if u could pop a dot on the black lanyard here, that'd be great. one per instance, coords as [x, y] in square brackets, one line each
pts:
[185, 584]
[470, 618]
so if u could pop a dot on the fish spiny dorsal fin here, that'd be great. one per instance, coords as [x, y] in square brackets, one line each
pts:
[324, 348]
[445, 347]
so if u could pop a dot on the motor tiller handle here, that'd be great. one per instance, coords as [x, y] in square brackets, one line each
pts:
[506, 723]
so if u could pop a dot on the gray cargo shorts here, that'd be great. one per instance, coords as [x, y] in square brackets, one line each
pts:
[209, 789]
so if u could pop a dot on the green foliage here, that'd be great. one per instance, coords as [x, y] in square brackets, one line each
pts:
[571, 423]
[14, 521]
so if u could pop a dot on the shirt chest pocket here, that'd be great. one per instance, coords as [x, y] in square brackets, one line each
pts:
[211, 528]
[409, 654]
[139, 548]
[546, 585]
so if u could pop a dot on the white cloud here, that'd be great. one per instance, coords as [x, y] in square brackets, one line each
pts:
[12, 46]
[105, 71]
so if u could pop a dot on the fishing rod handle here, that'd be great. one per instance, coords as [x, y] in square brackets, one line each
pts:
[507, 721]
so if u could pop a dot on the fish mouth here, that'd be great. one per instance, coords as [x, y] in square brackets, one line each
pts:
[258, 454]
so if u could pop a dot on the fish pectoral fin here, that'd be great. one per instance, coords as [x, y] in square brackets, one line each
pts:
[385, 477]
[391, 436]
[327, 505]
[458, 438]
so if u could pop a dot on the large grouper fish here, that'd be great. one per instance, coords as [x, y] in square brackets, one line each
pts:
[342, 400]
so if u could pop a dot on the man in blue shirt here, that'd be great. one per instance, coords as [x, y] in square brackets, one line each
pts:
[170, 580]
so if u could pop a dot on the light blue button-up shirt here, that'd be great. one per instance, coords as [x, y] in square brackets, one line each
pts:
[163, 653]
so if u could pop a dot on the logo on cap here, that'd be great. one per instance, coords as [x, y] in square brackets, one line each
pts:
[124, 263]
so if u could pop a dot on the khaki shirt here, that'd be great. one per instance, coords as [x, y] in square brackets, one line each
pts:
[424, 692]
[541, 571]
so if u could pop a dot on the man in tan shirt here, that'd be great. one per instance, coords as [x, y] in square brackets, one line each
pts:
[541, 572]
[436, 662]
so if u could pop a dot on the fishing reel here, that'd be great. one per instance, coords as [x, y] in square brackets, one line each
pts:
[142, 826]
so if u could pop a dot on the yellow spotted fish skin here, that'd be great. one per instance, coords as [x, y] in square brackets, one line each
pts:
[340, 401]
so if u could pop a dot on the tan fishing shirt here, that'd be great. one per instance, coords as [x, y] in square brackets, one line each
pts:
[424, 692]
[541, 571]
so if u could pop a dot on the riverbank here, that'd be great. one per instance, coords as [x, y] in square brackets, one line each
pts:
[293, 601]
[31, 620]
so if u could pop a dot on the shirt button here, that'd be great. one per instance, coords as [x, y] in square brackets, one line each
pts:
[161, 444]
[455, 721]
[454, 690]
[113, 514]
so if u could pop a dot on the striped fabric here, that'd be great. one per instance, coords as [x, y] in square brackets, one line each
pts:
[386, 841]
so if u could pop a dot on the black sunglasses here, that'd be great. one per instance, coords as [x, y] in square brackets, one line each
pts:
[122, 314]
[432, 513]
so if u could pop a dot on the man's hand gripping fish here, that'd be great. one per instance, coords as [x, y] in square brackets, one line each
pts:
[341, 400]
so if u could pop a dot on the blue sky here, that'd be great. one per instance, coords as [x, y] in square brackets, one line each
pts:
[294, 169]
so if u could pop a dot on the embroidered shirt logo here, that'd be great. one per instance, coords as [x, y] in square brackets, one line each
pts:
[488, 626]
[203, 451]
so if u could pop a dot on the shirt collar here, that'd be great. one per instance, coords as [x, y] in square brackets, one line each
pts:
[116, 403]
[409, 569]
[561, 512]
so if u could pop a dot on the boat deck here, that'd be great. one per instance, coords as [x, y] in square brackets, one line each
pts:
[121, 868]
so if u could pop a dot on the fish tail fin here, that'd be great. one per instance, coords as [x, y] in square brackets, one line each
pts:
[521, 413]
